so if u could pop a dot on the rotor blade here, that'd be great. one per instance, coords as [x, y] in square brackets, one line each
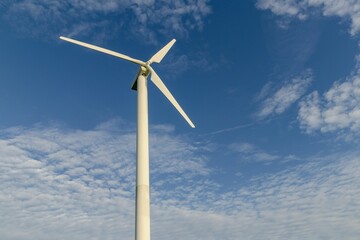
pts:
[162, 52]
[100, 49]
[157, 81]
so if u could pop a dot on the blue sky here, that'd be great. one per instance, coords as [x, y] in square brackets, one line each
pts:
[273, 87]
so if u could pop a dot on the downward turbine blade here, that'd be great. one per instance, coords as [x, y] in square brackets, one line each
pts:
[157, 81]
[103, 50]
[161, 54]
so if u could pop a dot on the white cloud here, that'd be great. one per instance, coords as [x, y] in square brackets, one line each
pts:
[312, 201]
[337, 110]
[64, 183]
[280, 7]
[250, 152]
[82, 181]
[176, 17]
[285, 96]
[147, 18]
[310, 113]
[301, 9]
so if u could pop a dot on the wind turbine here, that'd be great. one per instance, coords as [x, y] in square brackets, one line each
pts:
[142, 211]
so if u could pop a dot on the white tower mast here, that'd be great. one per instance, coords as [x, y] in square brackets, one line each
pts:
[142, 205]
[142, 208]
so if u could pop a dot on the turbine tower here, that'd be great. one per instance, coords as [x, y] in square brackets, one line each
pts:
[142, 204]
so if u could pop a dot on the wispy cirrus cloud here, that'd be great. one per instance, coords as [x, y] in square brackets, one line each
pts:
[4, 3]
[250, 152]
[149, 19]
[281, 99]
[55, 179]
[302, 9]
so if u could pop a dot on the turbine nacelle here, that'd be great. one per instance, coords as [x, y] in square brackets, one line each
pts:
[143, 71]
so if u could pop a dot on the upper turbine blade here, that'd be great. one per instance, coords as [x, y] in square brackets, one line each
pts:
[100, 49]
[157, 81]
[161, 54]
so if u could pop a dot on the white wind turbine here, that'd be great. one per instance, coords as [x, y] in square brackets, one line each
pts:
[142, 215]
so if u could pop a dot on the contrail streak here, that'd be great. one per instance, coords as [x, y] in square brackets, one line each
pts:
[246, 125]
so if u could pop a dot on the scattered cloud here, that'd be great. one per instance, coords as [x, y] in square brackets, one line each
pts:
[295, 203]
[301, 9]
[250, 152]
[55, 178]
[146, 18]
[83, 181]
[338, 109]
[284, 97]
[177, 64]
[280, 7]
[175, 17]
[310, 112]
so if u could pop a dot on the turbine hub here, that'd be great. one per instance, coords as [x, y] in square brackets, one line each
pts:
[144, 71]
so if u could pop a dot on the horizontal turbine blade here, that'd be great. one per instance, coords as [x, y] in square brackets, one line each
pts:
[157, 81]
[100, 49]
[162, 52]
